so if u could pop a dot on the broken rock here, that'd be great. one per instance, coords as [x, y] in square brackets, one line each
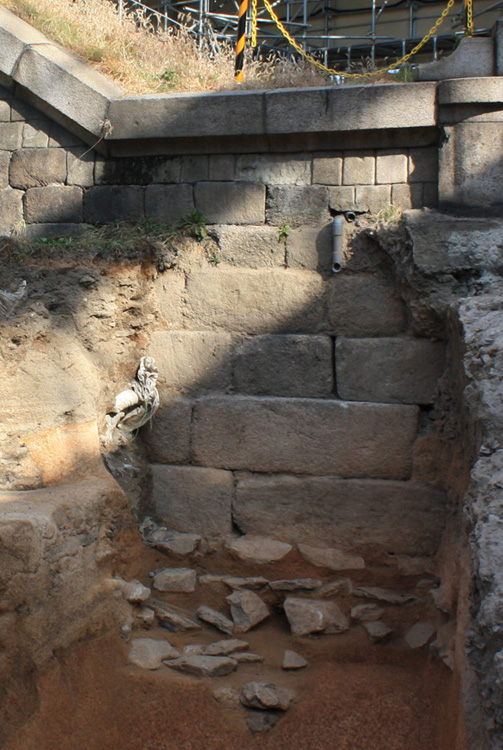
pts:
[258, 549]
[419, 634]
[175, 580]
[295, 584]
[253, 582]
[217, 619]
[342, 586]
[224, 648]
[377, 631]
[293, 660]
[247, 609]
[327, 557]
[366, 612]
[173, 618]
[177, 543]
[134, 591]
[146, 616]
[266, 696]
[247, 657]
[204, 666]
[149, 653]
[383, 595]
[314, 616]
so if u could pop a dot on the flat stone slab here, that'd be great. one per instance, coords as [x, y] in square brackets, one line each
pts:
[204, 666]
[340, 587]
[383, 595]
[334, 559]
[314, 616]
[175, 579]
[247, 657]
[266, 696]
[366, 612]
[295, 584]
[258, 549]
[172, 617]
[247, 610]
[293, 660]
[148, 653]
[252, 582]
[176, 543]
[215, 618]
[226, 647]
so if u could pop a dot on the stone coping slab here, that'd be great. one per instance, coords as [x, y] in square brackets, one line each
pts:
[69, 90]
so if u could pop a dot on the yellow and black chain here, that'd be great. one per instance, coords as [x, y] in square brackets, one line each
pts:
[344, 74]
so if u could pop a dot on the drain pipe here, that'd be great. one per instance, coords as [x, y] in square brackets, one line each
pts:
[337, 235]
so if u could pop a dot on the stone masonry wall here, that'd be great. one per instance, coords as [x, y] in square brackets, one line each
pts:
[291, 398]
[48, 176]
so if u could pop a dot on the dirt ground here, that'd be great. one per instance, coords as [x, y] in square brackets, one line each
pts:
[90, 699]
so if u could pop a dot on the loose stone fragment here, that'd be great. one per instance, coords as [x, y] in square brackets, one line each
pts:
[217, 619]
[378, 631]
[247, 609]
[253, 582]
[342, 586]
[224, 648]
[262, 721]
[335, 559]
[383, 595]
[293, 660]
[193, 649]
[247, 657]
[134, 591]
[366, 612]
[295, 584]
[314, 616]
[173, 618]
[419, 634]
[146, 616]
[149, 653]
[211, 578]
[205, 666]
[178, 543]
[258, 549]
[266, 696]
[175, 580]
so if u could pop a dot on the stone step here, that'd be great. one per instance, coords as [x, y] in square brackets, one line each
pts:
[304, 436]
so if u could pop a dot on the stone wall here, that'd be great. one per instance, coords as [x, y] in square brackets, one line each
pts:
[50, 177]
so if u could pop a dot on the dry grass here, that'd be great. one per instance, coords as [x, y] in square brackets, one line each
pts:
[143, 61]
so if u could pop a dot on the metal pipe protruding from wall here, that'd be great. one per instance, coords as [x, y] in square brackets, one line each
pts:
[337, 243]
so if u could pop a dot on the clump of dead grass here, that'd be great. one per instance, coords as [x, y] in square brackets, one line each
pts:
[145, 60]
